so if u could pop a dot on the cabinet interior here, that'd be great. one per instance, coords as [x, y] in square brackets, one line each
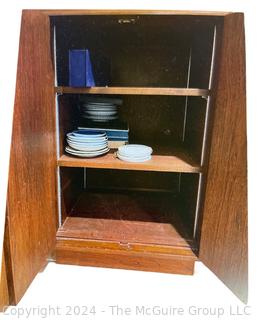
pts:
[143, 51]
[128, 206]
[104, 199]
[169, 124]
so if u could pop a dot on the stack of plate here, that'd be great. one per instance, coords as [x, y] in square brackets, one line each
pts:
[87, 143]
[134, 153]
[99, 111]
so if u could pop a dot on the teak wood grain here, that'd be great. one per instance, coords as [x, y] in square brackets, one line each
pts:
[133, 247]
[76, 251]
[135, 91]
[134, 12]
[32, 178]
[110, 161]
[126, 230]
[32, 196]
[138, 217]
[223, 245]
[4, 295]
[120, 230]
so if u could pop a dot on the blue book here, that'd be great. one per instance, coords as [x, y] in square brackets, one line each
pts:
[118, 138]
[117, 134]
[90, 81]
[80, 69]
[112, 126]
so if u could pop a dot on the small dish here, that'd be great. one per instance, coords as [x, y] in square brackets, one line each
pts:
[133, 159]
[135, 150]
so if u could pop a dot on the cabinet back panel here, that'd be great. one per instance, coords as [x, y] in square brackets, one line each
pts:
[201, 54]
[110, 194]
[128, 217]
[188, 199]
[142, 50]
[126, 180]
[157, 121]
[68, 117]
[154, 120]
[194, 128]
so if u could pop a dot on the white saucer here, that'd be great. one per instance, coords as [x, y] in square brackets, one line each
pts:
[134, 159]
[135, 151]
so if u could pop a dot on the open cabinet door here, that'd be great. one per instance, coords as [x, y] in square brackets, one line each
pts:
[4, 294]
[223, 244]
[31, 204]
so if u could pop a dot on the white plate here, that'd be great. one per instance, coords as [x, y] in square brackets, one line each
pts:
[101, 107]
[101, 119]
[85, 154]
[87, 148]
[135, 150]
[104, 103]
[98, 116]
[133, 159]
[88, 143]
[104, 118]
[87, 133]
[86, 139]
[99, 110]
[101, 113]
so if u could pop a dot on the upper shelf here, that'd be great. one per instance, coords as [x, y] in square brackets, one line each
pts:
[135, 91]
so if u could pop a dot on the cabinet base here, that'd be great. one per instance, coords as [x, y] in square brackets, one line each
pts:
[108, 255]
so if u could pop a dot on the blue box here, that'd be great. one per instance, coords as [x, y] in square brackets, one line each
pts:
[80, 69]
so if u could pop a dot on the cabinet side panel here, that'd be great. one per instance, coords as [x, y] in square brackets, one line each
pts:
[223, 245]
[32, 177]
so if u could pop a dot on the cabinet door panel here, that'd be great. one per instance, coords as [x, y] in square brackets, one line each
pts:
[31, 205]
[4, 295]
[223, 245]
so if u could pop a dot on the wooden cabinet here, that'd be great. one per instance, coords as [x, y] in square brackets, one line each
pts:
[181, 76]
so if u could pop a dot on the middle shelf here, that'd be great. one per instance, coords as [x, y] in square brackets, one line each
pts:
[172, 126]
[164, 163]
[135, 91]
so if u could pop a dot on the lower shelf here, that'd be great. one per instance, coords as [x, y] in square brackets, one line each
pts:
[126, 230]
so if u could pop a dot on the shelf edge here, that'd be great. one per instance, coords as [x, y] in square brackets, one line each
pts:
[196, 92]
[84, 163]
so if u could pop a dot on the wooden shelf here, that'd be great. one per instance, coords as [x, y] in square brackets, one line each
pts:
[120, 231]
[135, 91]
[166, 163]
[127, 217]
[138, 231]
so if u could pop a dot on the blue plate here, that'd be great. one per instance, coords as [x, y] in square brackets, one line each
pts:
[91, 133]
